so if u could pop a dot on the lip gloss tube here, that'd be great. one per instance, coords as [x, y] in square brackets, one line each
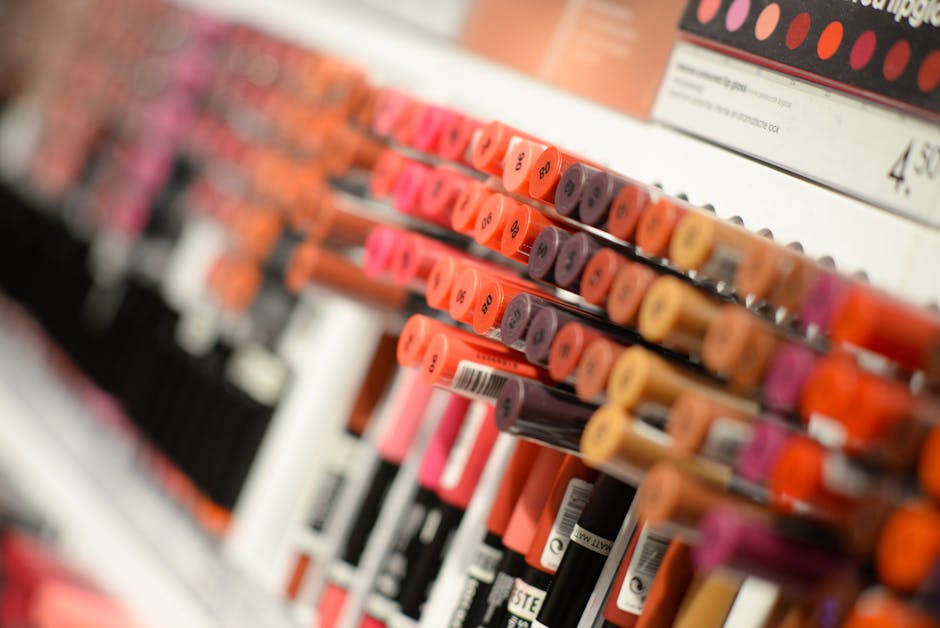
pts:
[909, 546]
[481, 573]
[570, 188]
[520, 162]
[440, 192]
[739, 347]
[570, 491]
[567, 347]
[676, 315]
[457, 137]
[518, 317]
[406, 126]
[547, 172]
[598, 276]
[757, 457]
[902, 332]
[443, 275]
[520, 533]
[473, 370]
[928, 465]
[468, 287]
[590, 543]
[572, 258]
[709, 603]
[656, 225]
[542, 331]
[733, 539]
[340, 224]
[492, 220]
[495, 142]
[430, 128]
[544, 252]
[627, 293]
[530, 410]
[390, 108]
[702, 426]
[594, 368]
[878, 608]
[672, 495]
[312, 263]
[850, 408]
[648, 385]
[524, 224]
[413, 257]
[786, 376]
[407, 193]
[642, 565]
[417, 334]
[600, 190]
[710, 246]
[777, 275]
[396, 565]
[379, 247]
[492, 300]
[624, 447]
[808, 477]
[467, 206]
[459, 480]
[628, 206]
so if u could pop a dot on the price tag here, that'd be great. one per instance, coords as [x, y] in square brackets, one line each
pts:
[880, 155]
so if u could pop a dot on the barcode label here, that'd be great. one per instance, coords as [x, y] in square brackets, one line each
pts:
[647, 556]
[478, 381]
[572, 504]
[460, 453]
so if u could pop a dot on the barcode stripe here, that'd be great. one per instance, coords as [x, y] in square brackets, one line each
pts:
[478, 381]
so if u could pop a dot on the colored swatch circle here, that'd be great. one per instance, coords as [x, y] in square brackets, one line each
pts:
[707, 10]
[829, 41]
[767, 21]
[862, 50]
[799, 29]
[896, 60]
[928, 76]
[737, 13]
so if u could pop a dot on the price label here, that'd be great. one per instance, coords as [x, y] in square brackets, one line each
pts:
[880, 155]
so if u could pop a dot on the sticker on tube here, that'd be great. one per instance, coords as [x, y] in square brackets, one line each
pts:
[478, 381]
[525, 601]
[648, 555]
[573, 502]
[484, 564]
[463, 446]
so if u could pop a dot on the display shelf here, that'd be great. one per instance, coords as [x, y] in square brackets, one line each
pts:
[110, 519]
[894, 252]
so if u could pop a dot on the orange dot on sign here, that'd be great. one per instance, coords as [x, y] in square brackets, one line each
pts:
[829, 41]
[707, 10]
[928, 76]
[896, 60]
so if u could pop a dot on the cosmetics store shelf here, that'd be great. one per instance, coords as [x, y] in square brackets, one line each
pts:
[111, 521]
[895, 252]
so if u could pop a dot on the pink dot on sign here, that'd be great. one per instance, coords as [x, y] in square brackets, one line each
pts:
[767, 21]
[862, 50]
[896, 60]
[707, 10]
[737, 13]
[928, 76]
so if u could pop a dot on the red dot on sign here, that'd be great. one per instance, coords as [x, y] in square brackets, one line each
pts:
[799, 29]
[928, 77]
[896, 60]
[862, 50]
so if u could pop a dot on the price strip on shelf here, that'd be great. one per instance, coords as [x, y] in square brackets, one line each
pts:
[877, 154]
